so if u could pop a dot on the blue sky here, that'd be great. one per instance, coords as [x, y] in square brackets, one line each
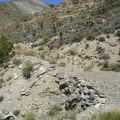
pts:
[46, 1]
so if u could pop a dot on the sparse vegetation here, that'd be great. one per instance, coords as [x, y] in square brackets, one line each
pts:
[110, 115]
[27, 69]
[68, 115]
[30, 116]
[6, 48]
[62, 64]
[53, 61]
[77, 37]
[45, 40]
[55, 109]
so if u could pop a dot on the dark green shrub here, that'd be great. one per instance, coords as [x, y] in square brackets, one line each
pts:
[27, 69]
[77, 37]
[91, 37]
[101, 39]
[117, 33]
[1, 85]
[6, 47]
[108, 36]
[16, 112]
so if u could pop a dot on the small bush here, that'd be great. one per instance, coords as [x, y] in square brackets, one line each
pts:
[100, 50]
[91, 37]
[6, 48]
[16, 112]
[72, 51]
[17, 62]
[115, 67]
[1, 85]
[53, 61]
[54, 110]
[77, 37]
[108, 36]
[110, 115]
[45, 40]
[104, 56]
[86, 46]
[101, 39]
[27, 69]
[62, 64]
[30, 116]
[117, 33]
[69, 115]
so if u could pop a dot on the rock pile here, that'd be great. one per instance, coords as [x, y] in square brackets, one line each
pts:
[6, 115]
[80, 94]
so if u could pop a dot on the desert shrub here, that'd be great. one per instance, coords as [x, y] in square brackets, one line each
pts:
[89, 68]
[33, 45]
[91, 37]
[17, 62]
[57, 56]
[117, 33]
[62, 64]
[75, 1]
[30, 116]
[69, 115]
[1, 85]
[45, 40]
[55, 109]
[100, 50]
[112, 67]
[108, 36]
[72, 51]
[5, 65]
[104, 56]
[16, 112]
[101, 39]
[53, 61]
[110, 115]
[1, 98]
[115, 67]
[27, 69]
[86, 46]
[6, 47]
[99, 10]
[77, 37]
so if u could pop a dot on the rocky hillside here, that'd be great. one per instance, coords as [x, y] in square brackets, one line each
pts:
[17, 9]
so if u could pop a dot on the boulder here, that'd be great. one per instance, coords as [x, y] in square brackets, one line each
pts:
[41, 71]
[60, 75]
[15, 76]
[62, 84]
[6, 115]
